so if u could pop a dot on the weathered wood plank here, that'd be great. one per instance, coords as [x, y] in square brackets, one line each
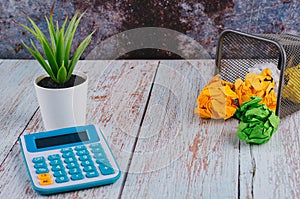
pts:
[246, 171]
[117, 96]
[277, 163]
[178, 154]
[18, 102]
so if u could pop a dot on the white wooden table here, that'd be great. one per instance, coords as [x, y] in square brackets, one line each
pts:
[146, 111]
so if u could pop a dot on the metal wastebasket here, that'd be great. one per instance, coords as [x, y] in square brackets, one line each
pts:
[238, 51]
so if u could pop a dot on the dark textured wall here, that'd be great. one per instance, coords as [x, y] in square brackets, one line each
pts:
[203, 20]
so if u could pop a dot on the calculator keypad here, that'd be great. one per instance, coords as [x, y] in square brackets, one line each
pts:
[73, 164]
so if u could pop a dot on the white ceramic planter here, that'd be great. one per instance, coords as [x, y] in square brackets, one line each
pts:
[63, 107]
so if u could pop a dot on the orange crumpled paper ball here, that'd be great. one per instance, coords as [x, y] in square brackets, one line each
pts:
[216, 100]
[261, 85]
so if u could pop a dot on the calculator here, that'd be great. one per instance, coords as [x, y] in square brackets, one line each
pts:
[68, 159]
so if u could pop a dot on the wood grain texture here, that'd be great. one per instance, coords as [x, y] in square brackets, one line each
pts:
[18, 102]
[277, 163]
[116, 88]
[246, 171]
[146, 111]
[179, 155]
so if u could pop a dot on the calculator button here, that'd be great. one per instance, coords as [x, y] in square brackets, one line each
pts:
[95, 145]
[102, 161]
[82, 152]
[74, 170]
[46, 181]
[97, 150]
[57, 167]
[87, 163]
[41, 170]
[38, 159]
[55, 162]
[106, 170]
[81, 147]
[40, 165]
[85, 157]
[92, 174]
[72, 165]
[43, 176]
[68, 154]
[89, 168]
[65, 150]
[59, 173]
[99, 155]
[78, 176]
[53, 157]
[70, 159]
[62, 179]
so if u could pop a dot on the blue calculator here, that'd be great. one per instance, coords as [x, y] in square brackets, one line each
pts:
[68, 159]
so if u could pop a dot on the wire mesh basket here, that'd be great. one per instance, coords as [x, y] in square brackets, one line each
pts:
[237, 52]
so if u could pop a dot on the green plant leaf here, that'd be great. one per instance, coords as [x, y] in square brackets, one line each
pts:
[64, 25]
[72, 28]
[62, 75]
[57, 30]
[78, 53]
[69, 38]
[71, 25]
[51, 28]
[28, 29]
[60, 48]
[39, 34]
[50, 57]
[51, 33]
[37, 55]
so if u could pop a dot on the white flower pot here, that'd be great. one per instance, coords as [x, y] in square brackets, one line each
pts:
[62, 107]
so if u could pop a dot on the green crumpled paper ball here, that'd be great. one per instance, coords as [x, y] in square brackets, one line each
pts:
[258, 122]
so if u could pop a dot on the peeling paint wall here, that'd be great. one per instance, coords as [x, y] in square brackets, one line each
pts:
[203, 20]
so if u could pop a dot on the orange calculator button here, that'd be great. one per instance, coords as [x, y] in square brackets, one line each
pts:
[43, 176]
[46, 181]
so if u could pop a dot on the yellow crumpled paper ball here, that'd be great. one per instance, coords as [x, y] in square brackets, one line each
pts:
[291, 89]
[261, 85]
[216, 100]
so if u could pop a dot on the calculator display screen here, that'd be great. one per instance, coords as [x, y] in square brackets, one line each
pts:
[61, 139]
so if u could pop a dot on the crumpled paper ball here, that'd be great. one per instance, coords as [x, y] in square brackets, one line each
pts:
[291, 89]
[259, 67]
[258, 122]
[261, 85]
[216, 100]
